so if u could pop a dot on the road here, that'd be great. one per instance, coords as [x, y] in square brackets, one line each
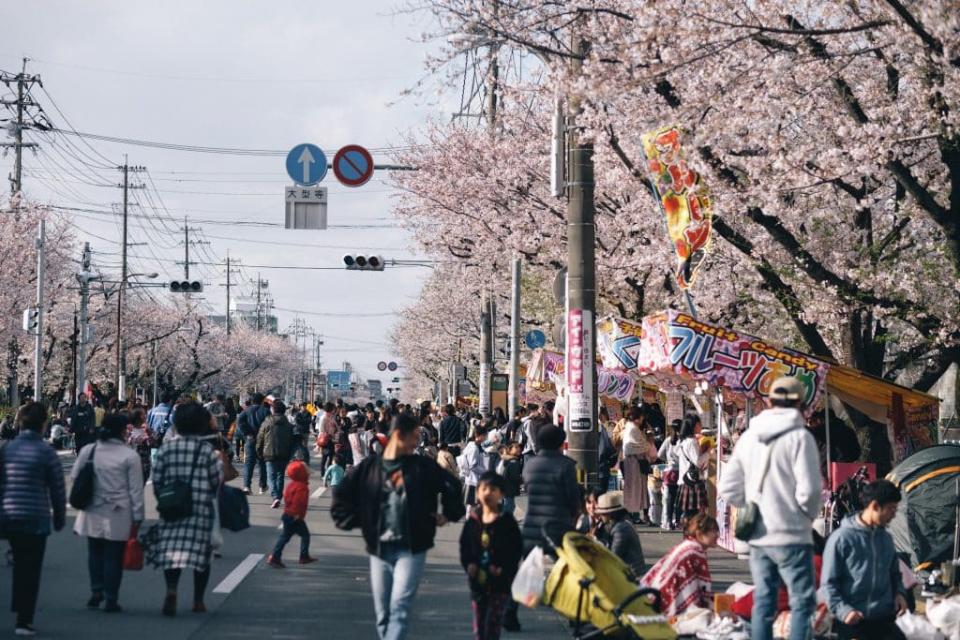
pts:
[329, 599]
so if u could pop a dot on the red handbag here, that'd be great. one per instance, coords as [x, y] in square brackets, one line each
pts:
[323, 440]
[133, 555]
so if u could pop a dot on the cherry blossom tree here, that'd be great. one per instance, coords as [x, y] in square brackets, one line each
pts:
[827, 133]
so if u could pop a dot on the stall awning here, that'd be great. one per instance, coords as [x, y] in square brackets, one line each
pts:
[871, 395]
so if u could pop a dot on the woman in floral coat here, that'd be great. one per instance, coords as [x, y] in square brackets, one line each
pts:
[186, 543]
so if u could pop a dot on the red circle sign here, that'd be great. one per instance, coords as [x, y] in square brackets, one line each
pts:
[353, 165]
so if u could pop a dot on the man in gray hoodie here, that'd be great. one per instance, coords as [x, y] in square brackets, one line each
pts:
[778, 452]
[861, 573]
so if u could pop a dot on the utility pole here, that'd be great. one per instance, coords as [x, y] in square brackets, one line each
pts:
[514, 340]
[74, 342]
[581, 292]
[259, 286]
[186, 247]
[84, 277]
[228, 286]
[486, 355]
[38, 343]
[126, 169]
[22, 104]
[153, 365]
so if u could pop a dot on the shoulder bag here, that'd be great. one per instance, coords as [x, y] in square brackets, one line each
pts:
[692, 477]
[748, 518]
[81, 493]
[175, 499]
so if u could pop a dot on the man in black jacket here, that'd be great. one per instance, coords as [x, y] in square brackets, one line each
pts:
[248, 423]
[453, 431]
[393, 500]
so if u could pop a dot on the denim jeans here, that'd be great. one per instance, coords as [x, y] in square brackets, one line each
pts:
[275, 470]
[291, 527]
[252, 459]
[105, 562]
[394, 577]
[794, 565]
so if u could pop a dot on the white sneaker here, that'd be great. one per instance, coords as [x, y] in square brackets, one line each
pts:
[26, 630]
[262, 491]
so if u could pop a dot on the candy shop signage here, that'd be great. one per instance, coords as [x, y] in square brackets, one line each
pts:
[677, 343]
[612, 384]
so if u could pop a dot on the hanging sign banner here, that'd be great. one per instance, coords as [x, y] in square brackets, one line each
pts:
[684, 199]
[678, 344]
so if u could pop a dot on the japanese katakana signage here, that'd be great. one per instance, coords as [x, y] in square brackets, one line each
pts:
[676, 345]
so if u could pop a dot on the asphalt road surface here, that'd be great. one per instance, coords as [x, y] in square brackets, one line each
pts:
[246, 599]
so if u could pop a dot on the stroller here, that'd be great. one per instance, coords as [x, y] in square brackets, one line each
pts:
[597, 592]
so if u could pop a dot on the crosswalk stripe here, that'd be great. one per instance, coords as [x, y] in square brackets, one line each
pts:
[239, 572]
[319, 492]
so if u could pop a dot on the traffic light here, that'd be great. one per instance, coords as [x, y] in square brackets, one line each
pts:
[363, 263]
[31, 317]
[185, 286]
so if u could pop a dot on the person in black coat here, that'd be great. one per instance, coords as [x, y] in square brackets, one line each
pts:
[453, 431]
[393, 501]
[553, 495]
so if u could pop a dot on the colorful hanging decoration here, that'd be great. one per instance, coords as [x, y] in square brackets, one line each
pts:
[684, 200]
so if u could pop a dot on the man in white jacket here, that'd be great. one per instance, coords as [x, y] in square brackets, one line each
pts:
[781, 545]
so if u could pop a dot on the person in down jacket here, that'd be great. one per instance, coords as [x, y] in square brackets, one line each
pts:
[295, 497]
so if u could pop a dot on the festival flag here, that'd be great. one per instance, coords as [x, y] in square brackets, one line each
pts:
[684, 200]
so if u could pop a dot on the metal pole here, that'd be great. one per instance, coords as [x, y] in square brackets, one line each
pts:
[581, 293]
[84, 322]
[153, 363]
[514, 341]
[74, 344]
[38, 343]
[186, 249]
[486, 356]
[228, 293]
[18, 137]
[121, 383]
[826, 425]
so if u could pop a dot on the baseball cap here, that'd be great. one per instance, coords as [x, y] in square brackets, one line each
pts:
[788, 388]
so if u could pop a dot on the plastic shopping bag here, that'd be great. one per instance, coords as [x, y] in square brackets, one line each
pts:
[527, 587]
[133, 555]
[945, 616]
[918, 628]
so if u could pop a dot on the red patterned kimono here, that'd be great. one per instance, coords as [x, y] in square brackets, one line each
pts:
[682, 577]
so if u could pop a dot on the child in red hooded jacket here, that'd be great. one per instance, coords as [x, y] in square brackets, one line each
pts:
[295, 497]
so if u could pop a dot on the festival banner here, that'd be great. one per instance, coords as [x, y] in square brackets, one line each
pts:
[675, 345]
[684, 199]
[549, 366]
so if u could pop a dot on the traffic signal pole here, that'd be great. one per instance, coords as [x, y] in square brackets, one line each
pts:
[121, 391]
[581, 293]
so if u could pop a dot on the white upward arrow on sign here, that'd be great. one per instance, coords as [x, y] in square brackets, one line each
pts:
[306, 159]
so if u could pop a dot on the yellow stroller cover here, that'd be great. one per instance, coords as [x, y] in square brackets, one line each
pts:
[607, 582]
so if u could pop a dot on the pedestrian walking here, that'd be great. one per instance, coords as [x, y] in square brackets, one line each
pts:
[160, 418]
[293, 520]
[393, 500]
[669, 454]
[334, 473]
[218, 409]
[490, 550]
[82, 423]
[637, 458]
[452, 431]
[139, 438]
[32, 486]
[775, 467]
[186, 477]
[115, 511]
[248, 423]
[473, 464]
[553, 495]
[327, 438]
[692, 496]
[861, 572]
[301, 431]
[275, 445]
[511, 469]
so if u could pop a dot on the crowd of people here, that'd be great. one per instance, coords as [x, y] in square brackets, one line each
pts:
[391, 465]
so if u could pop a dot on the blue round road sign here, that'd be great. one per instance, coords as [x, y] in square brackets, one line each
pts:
[392, 366]
[353, 165]
[306, 164]
[535, 339]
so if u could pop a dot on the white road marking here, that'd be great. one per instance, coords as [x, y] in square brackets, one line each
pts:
[240, 572]
[319, 492]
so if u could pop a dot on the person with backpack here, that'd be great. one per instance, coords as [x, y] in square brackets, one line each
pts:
[275, 446]
[248, 423]
[301, 431]
[669, 455]
[160, 417]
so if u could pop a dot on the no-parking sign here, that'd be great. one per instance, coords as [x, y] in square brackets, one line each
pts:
[353, 165]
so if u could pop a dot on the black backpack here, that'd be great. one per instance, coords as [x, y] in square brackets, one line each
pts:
[81, 493]
[175, 499]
